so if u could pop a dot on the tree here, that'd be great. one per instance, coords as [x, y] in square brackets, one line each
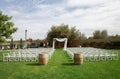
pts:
[83, 37]
[74, 37]
[6, 27]
[63, 31]
[58, 31]
[97, 34]
[104, 34]
[11, 44]
[100, 34]
[21, 43]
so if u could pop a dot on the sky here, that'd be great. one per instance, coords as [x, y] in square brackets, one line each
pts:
[37, 16]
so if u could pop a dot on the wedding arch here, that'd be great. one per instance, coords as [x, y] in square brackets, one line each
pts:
[60, 40]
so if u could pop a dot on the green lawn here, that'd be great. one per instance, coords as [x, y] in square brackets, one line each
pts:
[60, 66]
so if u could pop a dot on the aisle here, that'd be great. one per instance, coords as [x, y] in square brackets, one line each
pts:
[60, 57]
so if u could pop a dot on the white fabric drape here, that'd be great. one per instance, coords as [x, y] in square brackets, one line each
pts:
[60, 40]
[53, 44]
[65, 45]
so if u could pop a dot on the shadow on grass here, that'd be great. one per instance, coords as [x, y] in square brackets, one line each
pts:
[69, 64]
[69, 60]
[34, 64]
[1, 61]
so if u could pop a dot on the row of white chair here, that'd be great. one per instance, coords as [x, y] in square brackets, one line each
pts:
[26, 55]
[100, 57]
[14, 56]
[93, 54]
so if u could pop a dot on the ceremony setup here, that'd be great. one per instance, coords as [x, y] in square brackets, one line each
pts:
[59, 39]
[88, 53]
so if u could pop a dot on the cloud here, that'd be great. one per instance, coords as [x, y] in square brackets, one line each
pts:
[9, 0]
[79, 3]
[86, 15]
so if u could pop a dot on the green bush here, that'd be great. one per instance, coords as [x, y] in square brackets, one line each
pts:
[102, 43]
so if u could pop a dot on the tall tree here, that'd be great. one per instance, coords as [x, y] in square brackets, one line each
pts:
[100, 34]
[60, 31]
[11, 44]
[104, 34]
[83, 37]
[21, 43]
[97, 34]
[6, 27]
[63, 31]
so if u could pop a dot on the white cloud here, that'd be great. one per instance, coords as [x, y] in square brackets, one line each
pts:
[9, 0]
[76, 3]
[104, 15]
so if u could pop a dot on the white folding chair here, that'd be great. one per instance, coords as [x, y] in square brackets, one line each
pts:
[23, 56]
[6, 57]
[12, 56]
[17, 56]
[115, 56]
[96, 57]
[34, 57]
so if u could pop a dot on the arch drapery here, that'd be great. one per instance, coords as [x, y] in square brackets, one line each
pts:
[60, 40]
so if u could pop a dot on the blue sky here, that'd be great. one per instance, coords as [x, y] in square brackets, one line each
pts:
[37, 16]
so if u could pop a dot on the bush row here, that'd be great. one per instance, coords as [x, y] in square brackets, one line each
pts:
[102, 43]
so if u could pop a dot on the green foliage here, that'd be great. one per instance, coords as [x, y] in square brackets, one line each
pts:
[63, 31]
[97, 34]
[100, 34]
[2, 39]
[111, 42]
[6, 27]
[11, 44]
[104, 34]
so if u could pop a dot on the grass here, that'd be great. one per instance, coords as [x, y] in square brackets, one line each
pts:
[60, 66]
